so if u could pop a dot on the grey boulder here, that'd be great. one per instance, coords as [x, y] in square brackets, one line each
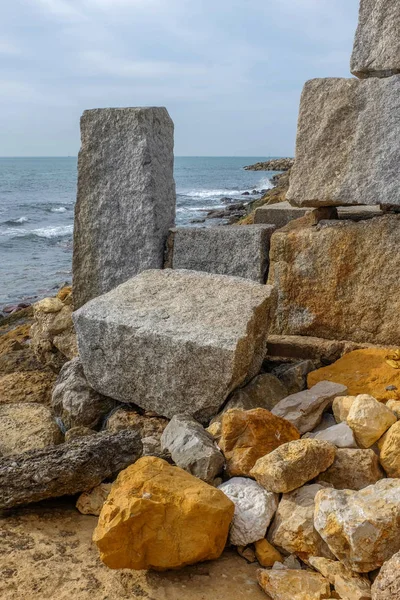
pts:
[175, 342]
[192, 448]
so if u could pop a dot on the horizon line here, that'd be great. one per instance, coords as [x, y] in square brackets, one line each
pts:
[175, 156]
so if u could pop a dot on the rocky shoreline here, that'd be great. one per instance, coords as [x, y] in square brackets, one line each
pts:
[275, 164]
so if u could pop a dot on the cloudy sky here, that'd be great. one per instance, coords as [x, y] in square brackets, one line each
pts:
[230, 72]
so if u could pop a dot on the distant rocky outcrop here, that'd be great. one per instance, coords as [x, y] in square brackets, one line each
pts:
[276, 164]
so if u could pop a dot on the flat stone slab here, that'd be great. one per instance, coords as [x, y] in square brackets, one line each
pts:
[347, 149]
[279, 214]
[240, 251]
[174, 341]
[126, 197]
[338, 281]
[376, 51]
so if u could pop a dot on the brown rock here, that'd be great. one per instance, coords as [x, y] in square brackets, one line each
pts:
[91, 503]
[387, 585]
[369, 419]
[394, 406]
[287, 584]
[248, 435]
[264, 391]
[348, 585]
[150, 426]
[352, 470]
[161, 517]
[293, 464]
[266, 554]
[78, 432]
[27, 386]
[309, 347]
[363, 371]
[389, 446]
[26, 426]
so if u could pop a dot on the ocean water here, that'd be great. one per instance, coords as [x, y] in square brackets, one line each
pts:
[37, 197]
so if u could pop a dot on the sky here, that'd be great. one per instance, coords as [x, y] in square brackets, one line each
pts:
[230, 72]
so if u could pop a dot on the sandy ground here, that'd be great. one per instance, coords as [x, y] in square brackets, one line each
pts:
[46, 553]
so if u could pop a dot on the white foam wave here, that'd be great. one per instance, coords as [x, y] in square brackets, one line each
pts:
[60, 209]
[264, 184]
[208, 193]
[18, 221]
[52, 232]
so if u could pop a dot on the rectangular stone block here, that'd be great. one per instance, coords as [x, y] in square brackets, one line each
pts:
[279, 214]
[376, 51]
[347, 148]
[339, 281]
[126, 197]
[174, 341]
[240, 251]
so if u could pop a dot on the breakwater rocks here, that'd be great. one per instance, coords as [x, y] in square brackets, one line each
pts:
[276, 164]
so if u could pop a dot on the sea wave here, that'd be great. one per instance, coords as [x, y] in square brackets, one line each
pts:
[18, 221]
[44, 232]
[59, 209]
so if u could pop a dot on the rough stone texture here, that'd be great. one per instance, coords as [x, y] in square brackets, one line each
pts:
[309, 347]
[352, 470]
[361, 528]
[254, 510]
[341, 406]
[279, 214]
[91, 503]
[161, 517]
[52, 334]
[126, 187]
[340, 435]
[65, 469]
[376, 51]
[28, 386]
[325, 289]
[192, 448]
[348, 585]
[150, 426]
[26, 426]
[342, 159]
[288, 584]
[266, 554]
[264, 391]
[293, 530]
[394, 406]
[369, 419]
[364, 371]
[230, 250]
[305, 409]
[387, 585]
[294, 376]
[75, 402]
[293, 464]
[78, 432]
[248, 435]
[389, 455]
[174, 341]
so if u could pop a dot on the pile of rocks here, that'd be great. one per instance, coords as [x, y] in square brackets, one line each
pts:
[275, 164]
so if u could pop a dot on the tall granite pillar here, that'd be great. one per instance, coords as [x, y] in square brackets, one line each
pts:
[126, 197]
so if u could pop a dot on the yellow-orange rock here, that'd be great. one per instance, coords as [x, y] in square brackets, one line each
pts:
[389, 446]
[247, 435]
[365, 371]
[266, 554]
[161, 517]
[27, 386]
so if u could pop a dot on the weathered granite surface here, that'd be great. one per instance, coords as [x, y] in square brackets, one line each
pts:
[338, 281]
[347, 151]
[231, 250]
[376, 51]
[279, 214]
[174, 341]
[126, 197]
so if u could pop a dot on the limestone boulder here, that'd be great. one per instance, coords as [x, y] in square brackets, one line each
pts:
[376, 51]
[335, 165]
[305, 409]
[75, 401]
[288, 584]
[292, 464]
[248, 435]
[327, 294]
[266, 554]
[349, 585]
[91, 503]
[352, 469]
[240, 252]
[293, 530]
[174, 341]
[369, 419]
[361, 528]
[389, 446]
[394, 406]
[341, 406]
[340, 435]
[387, 585]
[66, 469]
[363, 371]
[125, 161]
[161, 517]
[26, 426]
[27, 386]
[254, 510]
[192, 448]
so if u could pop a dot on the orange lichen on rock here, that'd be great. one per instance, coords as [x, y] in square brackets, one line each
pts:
[365, 371]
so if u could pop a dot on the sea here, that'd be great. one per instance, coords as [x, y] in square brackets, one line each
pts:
[37, 197]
